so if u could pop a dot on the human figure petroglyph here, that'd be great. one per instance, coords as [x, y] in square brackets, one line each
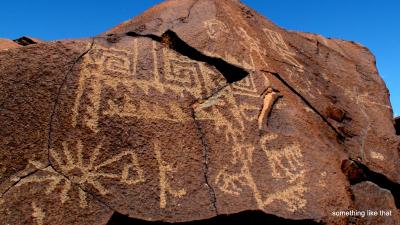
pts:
[254, 47]
[165, 185]
[254, 50]
[286, 163]
[279, 45]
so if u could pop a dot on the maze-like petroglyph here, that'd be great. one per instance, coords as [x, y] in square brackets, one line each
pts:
[115, 69]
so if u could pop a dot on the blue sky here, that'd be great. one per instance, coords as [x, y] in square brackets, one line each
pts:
[375, 24]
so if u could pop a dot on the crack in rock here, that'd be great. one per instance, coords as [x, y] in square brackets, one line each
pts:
[170, 39]
[16, 180]
[339, 134]
[200, 132]
[59, 93]
[357, 172]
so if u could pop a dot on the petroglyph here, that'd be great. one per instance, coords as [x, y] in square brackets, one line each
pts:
[254, 50]
[73, 167]
[165, 186]
[279, 45]
[215, 28]
[286, 163]
[180, 75]
[38, 214]
[89, 173]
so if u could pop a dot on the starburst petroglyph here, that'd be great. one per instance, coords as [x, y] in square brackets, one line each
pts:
[75, 173]
[81, 173]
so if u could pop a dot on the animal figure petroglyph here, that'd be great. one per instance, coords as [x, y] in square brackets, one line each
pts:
[286, 164]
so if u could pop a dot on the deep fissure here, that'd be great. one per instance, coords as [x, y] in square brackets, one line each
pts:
[231, 72]
[59, 93]
[211, 191]
[246, 217]
[357, 172]
[397, 125]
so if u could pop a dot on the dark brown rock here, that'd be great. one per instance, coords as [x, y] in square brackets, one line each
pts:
[194, 109]
[25, 41]
[397, 125]
[377, 203]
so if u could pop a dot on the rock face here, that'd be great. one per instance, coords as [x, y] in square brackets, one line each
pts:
[7, 44]
[397, 125]
[194, 110]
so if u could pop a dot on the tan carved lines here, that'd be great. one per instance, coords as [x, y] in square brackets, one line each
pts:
[121, 61]
[231, 183]
[180, 75]
[78, 172]
[279, 45]
[285, 163]
[169, 111]
[215, 28]
[254, 47]
[292, 196]
[165, 185]
[38, 214]
[212, 110]
[180, 71]
[97, 62]
[89, 173]
[269, 100]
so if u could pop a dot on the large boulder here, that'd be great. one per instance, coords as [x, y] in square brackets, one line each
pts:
[192, 110]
